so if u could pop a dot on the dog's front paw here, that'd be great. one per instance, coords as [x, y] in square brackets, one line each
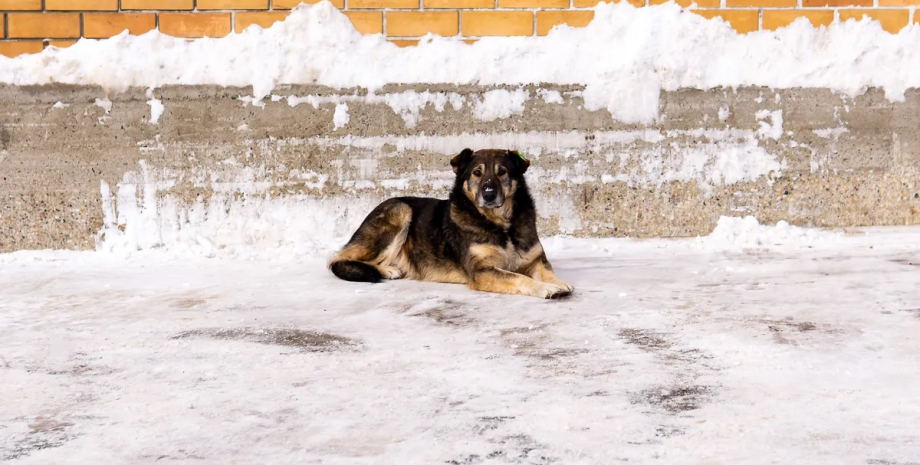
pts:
[552, 291]
[570, 288]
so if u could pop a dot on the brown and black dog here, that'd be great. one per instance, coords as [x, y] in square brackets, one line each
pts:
[484, 236]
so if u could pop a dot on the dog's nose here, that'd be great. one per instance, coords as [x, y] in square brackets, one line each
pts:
[489, 193]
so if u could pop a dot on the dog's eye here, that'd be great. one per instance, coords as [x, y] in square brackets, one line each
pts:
[502, 171]
[477, 172]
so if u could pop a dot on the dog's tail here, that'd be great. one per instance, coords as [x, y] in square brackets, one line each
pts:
[353, 270]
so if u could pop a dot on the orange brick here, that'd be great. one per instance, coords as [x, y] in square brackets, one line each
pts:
[470, 41]
[157, 4]
[14, 49]
[404, 42]
[102, 25]
[775, 19]
[195, 24]
[232, 4]
[546, 20]
[81, 5]
[43, 25]
[419, 23]
[263, 19]
[365, 4]
[763, 3]
[497, 23]
[834, 3]
[898, 3]
[687, 3]
[21, 5]
[366, 22]
[289, 4]
[593, 3]
[2, 25]
[533, 3]
[435, 4]
[743, 21]
[60, 43]
[892, 20]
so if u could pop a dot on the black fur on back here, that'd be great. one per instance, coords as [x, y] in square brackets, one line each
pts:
[355, 271]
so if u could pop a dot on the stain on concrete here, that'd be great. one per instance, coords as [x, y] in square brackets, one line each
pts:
[306, 341]
[186, 304]
[44, 433]
[647, 340]
[674, 399]
[442, 311]
[793, 332]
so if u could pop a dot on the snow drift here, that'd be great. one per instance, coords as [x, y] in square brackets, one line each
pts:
[654, 48]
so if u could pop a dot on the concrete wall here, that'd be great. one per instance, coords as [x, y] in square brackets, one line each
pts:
[807, 156]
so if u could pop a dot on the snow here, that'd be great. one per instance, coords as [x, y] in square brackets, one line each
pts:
[142, 213]
[340, 118]
[667, 352]
[156, 110]
[747, 232]
[658, 47]
[499, 104]
[772, 129]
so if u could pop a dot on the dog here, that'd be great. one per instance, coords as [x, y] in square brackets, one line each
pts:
[484, 235]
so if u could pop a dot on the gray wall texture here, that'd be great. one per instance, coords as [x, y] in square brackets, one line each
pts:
[808, 156]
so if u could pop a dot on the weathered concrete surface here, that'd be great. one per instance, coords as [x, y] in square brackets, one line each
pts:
[846, 162]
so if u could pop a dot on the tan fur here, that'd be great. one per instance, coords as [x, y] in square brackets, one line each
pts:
[502, 268]
[392, 262]
[441, 274]
[506, 282]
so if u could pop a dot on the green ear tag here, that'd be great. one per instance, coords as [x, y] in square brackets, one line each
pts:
[522, 156]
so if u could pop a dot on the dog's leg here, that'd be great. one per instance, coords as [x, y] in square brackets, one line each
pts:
[485, 265]
[537, 266]
[374, 251]
[506, 282]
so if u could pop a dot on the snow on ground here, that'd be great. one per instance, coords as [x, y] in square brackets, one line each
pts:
[756, 344]
[657, 47]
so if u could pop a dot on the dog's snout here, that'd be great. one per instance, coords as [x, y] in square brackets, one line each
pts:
[489, 192]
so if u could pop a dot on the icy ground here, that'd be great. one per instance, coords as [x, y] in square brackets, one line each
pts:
[669, 352]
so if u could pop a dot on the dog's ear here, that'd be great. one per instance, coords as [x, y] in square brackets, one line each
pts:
[519, 160]
[459, 162]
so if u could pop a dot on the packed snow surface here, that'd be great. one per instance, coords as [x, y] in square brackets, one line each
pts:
[756, 344]
[654, 48]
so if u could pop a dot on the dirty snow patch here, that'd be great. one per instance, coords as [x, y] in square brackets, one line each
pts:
[771, 124]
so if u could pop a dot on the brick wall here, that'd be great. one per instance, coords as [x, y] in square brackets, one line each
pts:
[27, 26]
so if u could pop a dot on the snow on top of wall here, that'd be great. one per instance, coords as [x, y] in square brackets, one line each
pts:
[624, 58]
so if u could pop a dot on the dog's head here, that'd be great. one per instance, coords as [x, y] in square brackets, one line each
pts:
[489, 178]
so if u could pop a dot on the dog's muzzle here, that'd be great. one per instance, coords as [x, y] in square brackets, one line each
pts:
[491, 197]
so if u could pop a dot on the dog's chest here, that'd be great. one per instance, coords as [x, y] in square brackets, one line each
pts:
[514, 257]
